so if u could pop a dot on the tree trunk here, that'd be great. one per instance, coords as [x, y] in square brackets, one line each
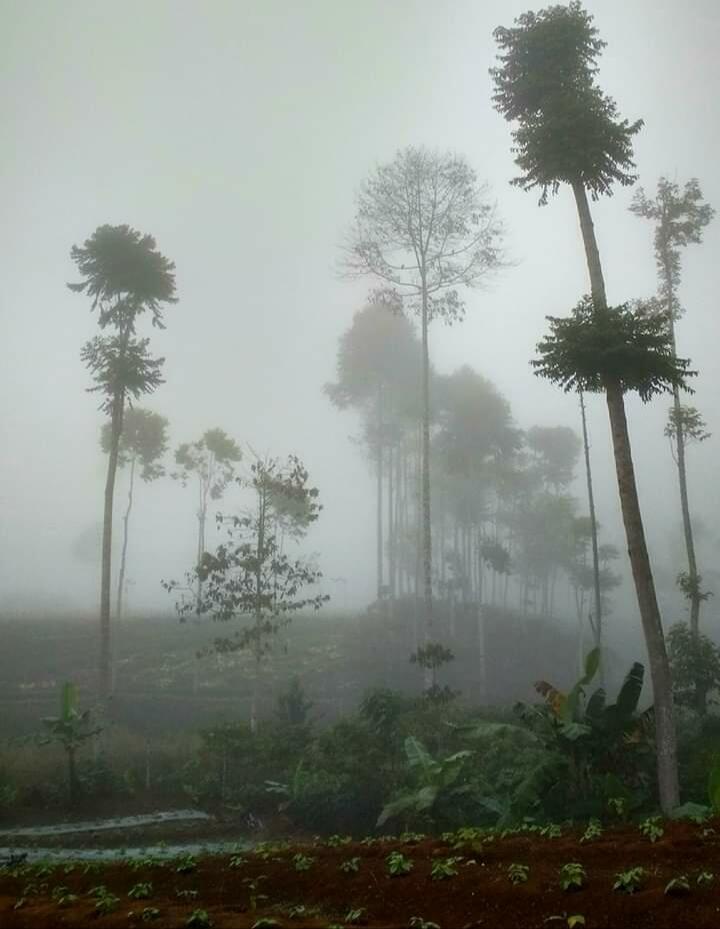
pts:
[123, 557]
[597, 619]
[426, 535]
[647, 601]
[379, 463]
[116, 424]
[391, 526]
[72, 778]
[666, 742]
[682, 476]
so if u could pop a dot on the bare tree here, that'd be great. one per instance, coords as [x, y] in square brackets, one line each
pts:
[424, 228]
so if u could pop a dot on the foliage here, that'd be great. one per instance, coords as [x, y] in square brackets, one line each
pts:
[518, 873]
[625, 345]
[678, 886]
[572, 876]
[630, 881]
[293, 707]
[443, 236]
[569, 130]
[398, 864]
[251, 575]
[594, 750]
[71, 729]
[435, 780]
[443, 868]
[695, 664]
[143, 438]
[652, 828]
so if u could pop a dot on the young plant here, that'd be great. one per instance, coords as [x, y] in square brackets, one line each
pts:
[593, 831]
[443, 868]
[106, 902]
[253, 885]
[652, 828]
[628, 882]
[302, 862]
[704, 877]
[417, 922]
[187, 894]
[62, 896]
[518, 873]
[551, 831]
[335, 841]
[199, 919]
[678, 887]
[71, 729]
[186, 864]
[572, 876]
[141, 891]
[398, 864]
[355, 915]
[350, 866]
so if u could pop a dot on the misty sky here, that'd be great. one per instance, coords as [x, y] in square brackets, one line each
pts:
[237, 134]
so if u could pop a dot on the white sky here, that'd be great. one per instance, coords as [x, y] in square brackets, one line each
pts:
[237, 134]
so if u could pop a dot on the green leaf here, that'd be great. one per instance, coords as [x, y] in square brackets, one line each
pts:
[629, 695]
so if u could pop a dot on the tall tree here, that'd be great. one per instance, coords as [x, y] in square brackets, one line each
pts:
[424, 228]
[679, 217]
[211, 461]
[125, 276]
[378, 373]
[569, 132]
[143, 442]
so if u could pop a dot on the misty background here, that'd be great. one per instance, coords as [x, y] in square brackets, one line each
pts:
[238, 134]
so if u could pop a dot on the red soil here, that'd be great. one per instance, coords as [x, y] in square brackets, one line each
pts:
[481, 895]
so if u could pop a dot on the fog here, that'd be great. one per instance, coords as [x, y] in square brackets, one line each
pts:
[238, 134]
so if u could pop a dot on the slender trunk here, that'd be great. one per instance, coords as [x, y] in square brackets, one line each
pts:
[379, 465]
[665, 736]
[391, 525]
[262, 512]
[427, 537]
[123, 557]
[116, 424]
[682, 474]
[597, 619]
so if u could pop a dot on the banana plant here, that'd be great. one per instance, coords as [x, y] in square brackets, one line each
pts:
[435, 778]
[71, 729]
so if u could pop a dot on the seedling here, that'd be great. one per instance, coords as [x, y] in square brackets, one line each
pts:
[265, 923]
[303, 862]
[350, 865]
[253, 884]
[627, 882]
[619, 806]
[398, 864]
[106, 903]
[417, 922]
[198, 919]
[148, 913]
[62, 896]
[518, 873]
[187, 894]
[412, 838]
[572, 876]
[443, 868]
[593, 831]
[678, 887]
[237, 861]
[356, 915]
[141, 891]
[142, 864]
[186, 865]
[551, 831]
[705, 877]
[652, 828]
[335, 841]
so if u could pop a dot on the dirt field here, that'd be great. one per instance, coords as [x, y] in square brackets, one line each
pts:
[273, 884]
